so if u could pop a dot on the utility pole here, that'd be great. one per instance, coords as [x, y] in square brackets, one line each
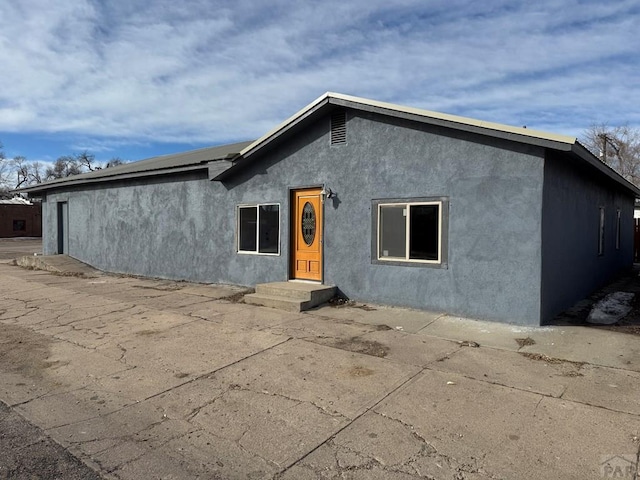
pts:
[603, 150]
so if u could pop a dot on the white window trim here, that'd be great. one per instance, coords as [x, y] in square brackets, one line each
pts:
[406, 259]
[257, 207]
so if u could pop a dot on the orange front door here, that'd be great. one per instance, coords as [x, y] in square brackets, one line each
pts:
[306, 234]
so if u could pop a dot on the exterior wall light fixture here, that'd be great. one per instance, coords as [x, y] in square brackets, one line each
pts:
[327, 193]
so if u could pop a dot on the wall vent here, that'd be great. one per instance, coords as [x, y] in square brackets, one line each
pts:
[339, 128]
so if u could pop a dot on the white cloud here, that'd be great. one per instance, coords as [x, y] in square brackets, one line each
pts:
[206, 71]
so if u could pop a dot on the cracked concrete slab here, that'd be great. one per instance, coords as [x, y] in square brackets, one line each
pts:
[253, 317]
[601, 347]
[502, 431]
[57, 409]
[510, 369]
[174, 301]
[186, 400]
[18, 388]
[412, 349]
[401, 319]
[609, 388]
[76, 366]
[489, 334]
[321, 330]
[195, 348]
[138, 388]
[115, 440]
[139, 383]
[375, 446]
[218, 311]
[274, 427]
[198, 455]
[337, 381]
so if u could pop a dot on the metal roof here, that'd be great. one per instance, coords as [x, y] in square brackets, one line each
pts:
[163, 164]
[520, 134]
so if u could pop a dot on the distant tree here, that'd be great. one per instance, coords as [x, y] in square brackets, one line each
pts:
[21, 167]
[618, 147]
[27, 173]
[20, 172]
[114, 162]
[82, 162]
[4, 176]
[64, 166]
[87, 160]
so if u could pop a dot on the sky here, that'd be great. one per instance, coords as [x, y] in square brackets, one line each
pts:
[138, 78]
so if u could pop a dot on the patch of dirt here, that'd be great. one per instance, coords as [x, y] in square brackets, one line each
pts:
[382, 328]
[360, 371]
[339, 301]
[523, 342]
[237, 297]
[143, 333]
[357, 345]
[551, 360]
[23, 351]
[163, 287]
[366, 308]
[73, 274]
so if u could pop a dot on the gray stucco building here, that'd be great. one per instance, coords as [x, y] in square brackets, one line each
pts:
[390, 204]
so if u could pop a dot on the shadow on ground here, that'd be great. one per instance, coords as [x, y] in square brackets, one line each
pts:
[628, 281]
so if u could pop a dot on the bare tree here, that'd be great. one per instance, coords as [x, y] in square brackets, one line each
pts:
[64, 166]
[20, 172]
[4, 175]
[87, 160]
[618, 147]
[114, 162]
[27, 173]
[21, 167]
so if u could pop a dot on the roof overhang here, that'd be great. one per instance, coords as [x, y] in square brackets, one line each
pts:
[584, 154]
[162, 165]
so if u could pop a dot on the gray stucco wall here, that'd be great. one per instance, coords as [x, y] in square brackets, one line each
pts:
[571, 266]
[185, 228]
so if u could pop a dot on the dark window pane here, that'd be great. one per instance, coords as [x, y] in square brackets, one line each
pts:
[393, 231]
[601, 236]
[19, 225]
[248, 228]
[423, 234]
[269, 228]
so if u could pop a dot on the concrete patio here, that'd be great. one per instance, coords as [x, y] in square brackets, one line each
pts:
[143, 378]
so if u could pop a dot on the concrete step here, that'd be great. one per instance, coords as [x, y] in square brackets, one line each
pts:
[297, 290]
[281, 303]
[290, 296]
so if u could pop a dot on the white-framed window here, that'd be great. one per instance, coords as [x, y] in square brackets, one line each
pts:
[410, 232]
[258, 228]
[618, 229]
[601, 232]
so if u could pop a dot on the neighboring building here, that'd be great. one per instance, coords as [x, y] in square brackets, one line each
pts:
[392, 205]
[20, 218]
